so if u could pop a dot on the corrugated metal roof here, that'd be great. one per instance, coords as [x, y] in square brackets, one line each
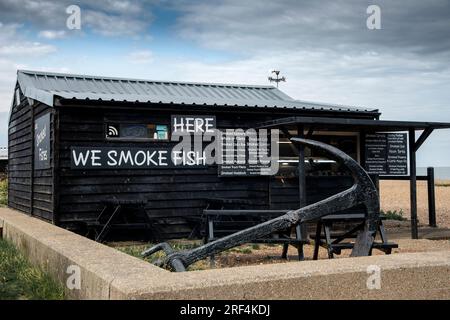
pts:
[45, 86]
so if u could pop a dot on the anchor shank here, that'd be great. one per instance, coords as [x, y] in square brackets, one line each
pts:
[341, 201]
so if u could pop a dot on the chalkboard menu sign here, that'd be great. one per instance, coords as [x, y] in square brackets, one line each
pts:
[386, 153]
[42, 142]
[241, 157]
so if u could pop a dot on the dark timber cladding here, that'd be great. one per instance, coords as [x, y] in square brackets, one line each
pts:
[30, 189]
[55, 116]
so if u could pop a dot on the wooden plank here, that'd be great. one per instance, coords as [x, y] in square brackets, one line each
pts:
[402, 178]
[243, 212]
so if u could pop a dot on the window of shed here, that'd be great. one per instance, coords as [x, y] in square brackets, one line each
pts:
[140, 131]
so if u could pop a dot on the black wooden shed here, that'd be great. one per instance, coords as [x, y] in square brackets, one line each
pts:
[54, 116]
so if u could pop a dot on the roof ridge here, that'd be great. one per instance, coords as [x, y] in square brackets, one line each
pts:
[328, 104]
[82, 76]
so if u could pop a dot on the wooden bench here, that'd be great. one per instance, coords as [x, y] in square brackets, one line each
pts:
[333, 241]
[220, 223]
[199, 225]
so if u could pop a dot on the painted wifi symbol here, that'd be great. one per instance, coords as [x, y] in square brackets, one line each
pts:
[112, 131]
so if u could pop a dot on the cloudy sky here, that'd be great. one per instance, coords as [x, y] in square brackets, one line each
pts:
[324, 49]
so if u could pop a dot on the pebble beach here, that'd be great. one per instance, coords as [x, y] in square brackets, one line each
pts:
[395, 196]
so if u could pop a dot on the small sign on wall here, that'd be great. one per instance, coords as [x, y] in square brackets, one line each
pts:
[42, 142]
[386, 153]
[186, 124]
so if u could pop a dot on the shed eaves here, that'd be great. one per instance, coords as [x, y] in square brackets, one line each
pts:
[45, 86]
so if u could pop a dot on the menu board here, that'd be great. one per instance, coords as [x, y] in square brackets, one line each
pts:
[386, 153]
[241, 155]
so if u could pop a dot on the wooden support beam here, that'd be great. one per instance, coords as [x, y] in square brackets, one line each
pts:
[362, 148]
[55, 152]
[301, 176]
[310, 132]
[285, 132]
[289, 136]
[431, 198]
[425, 134]
[424, 178]
[413, 183]
[33, 151]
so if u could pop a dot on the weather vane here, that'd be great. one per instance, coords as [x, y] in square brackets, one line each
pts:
[277, 79]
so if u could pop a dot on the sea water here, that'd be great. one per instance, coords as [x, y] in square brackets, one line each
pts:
[440, 173]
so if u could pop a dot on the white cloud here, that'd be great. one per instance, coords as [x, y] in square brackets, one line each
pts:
[8, 71]
[52, 34]
[8, 32]
[27, 49]
[15, 49]
[112, 25]
[123, 6]
[141, 57]
[13, 44]
[264, 26]
[106, 17]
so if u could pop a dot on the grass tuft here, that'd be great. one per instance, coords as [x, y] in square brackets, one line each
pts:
[20, 281]
[442, 184]
[179, 245]
[394, 215]
[3, 193]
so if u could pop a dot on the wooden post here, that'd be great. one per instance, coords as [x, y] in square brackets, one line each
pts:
[362, 148]
[55, 168]
[431, 197]
[412, 183]
[33, 150]
[301, 176]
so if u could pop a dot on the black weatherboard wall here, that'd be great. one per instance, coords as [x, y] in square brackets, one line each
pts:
[31, 189]
[45, 184]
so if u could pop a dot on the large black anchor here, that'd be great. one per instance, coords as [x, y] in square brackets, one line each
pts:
[363, 192]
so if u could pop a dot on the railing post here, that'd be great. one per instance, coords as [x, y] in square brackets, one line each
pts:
[431, 197]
